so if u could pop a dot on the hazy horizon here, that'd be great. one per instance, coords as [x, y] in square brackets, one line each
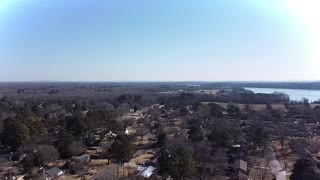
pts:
[159, 41]
[160, 81]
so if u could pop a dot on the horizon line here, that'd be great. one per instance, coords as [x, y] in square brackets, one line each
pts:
[164, 81]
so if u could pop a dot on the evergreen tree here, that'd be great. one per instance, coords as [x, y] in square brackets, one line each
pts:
[65, 139]
[305, 169]
[121, 151]
[14, 133]
[179, 165]
[183, 164]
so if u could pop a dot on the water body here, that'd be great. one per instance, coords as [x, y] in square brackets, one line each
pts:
[295, 94]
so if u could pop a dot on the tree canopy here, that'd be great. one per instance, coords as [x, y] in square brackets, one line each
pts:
[305, 169]
[46, 154]
[14, 133]
[179, 165]
[196, 134]
[121, 150]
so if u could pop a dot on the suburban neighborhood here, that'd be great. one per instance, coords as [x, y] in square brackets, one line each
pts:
[182, 135]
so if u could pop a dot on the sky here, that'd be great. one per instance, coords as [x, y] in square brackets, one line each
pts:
[159, 40]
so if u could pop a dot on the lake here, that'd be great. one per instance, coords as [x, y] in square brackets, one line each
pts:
[295, 94]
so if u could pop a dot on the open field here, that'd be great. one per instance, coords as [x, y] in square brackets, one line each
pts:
[212, 92]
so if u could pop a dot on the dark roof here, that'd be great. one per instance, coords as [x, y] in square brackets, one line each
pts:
[81, 159]
[53, 172]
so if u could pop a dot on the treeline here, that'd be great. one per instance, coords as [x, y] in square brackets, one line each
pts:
[282, 85]
[237, 96]
[248, 97]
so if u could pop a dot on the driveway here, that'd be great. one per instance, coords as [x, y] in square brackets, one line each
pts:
[275, 166]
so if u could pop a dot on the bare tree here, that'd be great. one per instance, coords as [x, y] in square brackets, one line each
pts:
[155, 113]
[76, 148]
[262, 168]
[284, 156]
[105, 146]
[203, 158]
[122, 109]
[141, 132]
[282, 135]
[46, 154]
[180, 142]
[220, 161]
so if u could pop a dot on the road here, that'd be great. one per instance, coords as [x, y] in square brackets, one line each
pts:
[275, 166]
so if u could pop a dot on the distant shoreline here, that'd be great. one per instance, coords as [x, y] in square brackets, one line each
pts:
[303, 85]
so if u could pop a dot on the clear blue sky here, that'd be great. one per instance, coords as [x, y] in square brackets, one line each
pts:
[158, 40]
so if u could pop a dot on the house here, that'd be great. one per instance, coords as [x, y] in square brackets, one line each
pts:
[145, 171]
[241, 165]
[53, 173]
[17, 157]
[238, 151]
[53, 115]
[110, 134]
[84, 159]
[240, 170]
